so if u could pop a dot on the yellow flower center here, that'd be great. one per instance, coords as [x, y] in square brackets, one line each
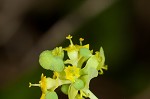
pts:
[72, 72]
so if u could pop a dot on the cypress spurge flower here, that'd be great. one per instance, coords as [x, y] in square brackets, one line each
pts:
[71, 74]
[46, 84]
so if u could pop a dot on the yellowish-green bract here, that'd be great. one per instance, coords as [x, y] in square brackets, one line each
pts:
[74, 74]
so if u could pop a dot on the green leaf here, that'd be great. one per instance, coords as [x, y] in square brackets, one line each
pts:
[64, 88]
[78, 84]
[57, 64]
[91, 63]
[102, 55]
[91, 73]
[85, 52]
[51, 95]
[101, 58]
[50, 62]
[45, 59]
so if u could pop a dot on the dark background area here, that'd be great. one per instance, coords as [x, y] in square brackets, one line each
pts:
[121, 27]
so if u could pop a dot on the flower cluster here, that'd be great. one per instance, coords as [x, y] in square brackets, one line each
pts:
[74, 74]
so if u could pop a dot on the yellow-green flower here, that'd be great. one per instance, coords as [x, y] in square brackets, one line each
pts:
[46, 84]
[73, 51]
[72, 72]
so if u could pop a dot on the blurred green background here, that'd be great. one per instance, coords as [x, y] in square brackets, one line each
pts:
[121, 27]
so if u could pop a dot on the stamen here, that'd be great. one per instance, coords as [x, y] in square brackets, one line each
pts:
[81, 39]
[30, 85]
[69, 37]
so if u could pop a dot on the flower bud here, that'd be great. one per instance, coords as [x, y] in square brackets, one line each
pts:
[58, 51]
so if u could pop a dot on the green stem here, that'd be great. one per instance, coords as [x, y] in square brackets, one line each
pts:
[90, 94]
[61, 82]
